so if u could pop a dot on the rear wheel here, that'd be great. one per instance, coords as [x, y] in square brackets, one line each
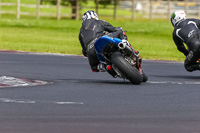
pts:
[130, 72]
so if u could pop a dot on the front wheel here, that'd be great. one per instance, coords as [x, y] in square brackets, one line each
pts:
[130, 72]
[145, 78]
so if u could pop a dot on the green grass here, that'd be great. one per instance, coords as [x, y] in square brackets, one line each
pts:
[40, 35]
[152, 39]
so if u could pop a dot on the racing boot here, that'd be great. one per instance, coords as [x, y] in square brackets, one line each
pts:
[101, 67]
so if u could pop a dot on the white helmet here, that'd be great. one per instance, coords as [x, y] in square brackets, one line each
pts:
[177, 16]
[89, 15]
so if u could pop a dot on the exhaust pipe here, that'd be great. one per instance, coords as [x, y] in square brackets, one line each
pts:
[126, 48]
[121, 45]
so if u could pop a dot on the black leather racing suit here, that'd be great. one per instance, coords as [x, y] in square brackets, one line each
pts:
[187, 31]
[90, 31]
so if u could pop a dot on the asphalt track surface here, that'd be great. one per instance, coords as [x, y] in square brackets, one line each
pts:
[75, 100]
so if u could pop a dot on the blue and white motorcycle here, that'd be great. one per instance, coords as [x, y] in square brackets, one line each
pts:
[121, 58]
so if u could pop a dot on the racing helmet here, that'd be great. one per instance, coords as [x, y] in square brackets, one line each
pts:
[89, 15]
[177, 16]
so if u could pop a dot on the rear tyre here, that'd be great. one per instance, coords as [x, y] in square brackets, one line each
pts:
[130, 72]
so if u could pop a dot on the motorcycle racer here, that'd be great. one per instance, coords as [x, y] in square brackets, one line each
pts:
[186, 31]
[92, 29]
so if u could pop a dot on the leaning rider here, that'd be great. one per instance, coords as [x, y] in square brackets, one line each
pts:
[187, 31]
[92, 29]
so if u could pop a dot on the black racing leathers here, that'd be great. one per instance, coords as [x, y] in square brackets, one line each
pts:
[187, 31]
[90, 31]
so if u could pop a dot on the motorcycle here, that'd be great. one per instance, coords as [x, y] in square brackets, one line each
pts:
[121, 59]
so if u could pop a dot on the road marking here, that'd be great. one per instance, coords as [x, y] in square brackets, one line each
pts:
[6, 81]
[68, 102]
[174, 82]
[25, 101]
[37, 53]
[6, 100]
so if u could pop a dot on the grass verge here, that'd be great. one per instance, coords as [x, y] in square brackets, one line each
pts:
[152, 39]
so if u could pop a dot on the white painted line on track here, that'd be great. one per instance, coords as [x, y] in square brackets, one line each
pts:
[174, 82]
[6, 100]
[38, 53]
[164, 61]
[25, 101]
[68, 102]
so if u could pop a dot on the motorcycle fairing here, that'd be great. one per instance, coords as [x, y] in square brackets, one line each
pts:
[101, 43]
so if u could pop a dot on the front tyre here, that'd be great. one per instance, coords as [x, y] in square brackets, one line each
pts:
[130, 72]
[145, 78]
